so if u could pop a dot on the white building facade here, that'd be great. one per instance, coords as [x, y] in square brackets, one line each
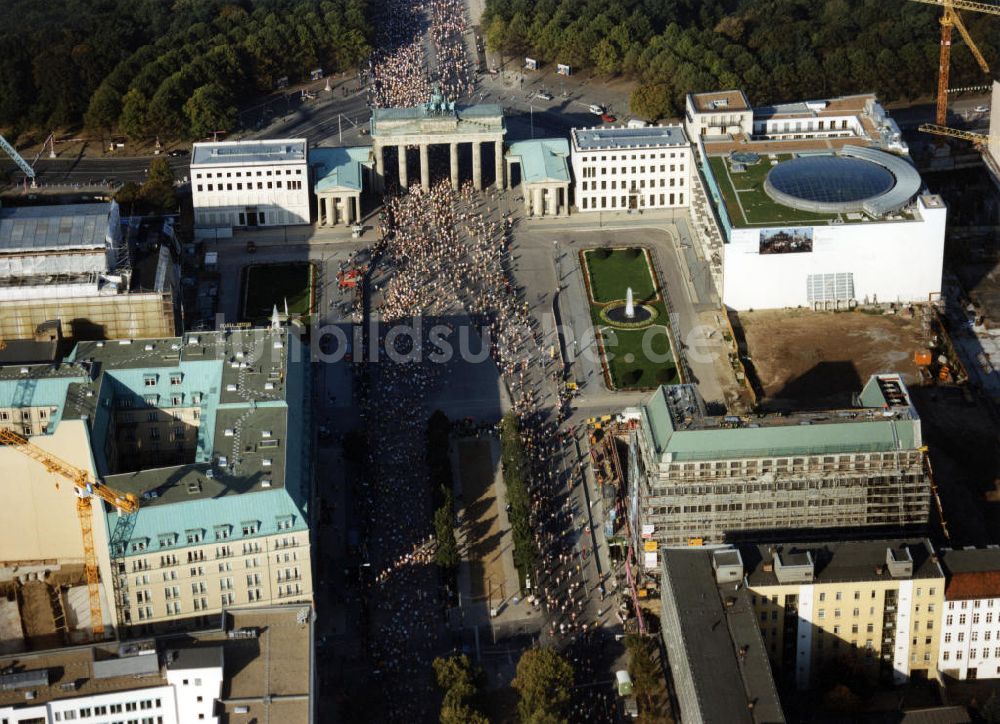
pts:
[868, 262]
[970, 627]
[250, 183]
[152, 704]
[621, 169]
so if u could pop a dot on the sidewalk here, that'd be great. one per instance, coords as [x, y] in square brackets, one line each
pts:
[475, 612]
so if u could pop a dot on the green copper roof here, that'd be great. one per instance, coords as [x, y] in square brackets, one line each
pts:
[676, 426]
[544, 159]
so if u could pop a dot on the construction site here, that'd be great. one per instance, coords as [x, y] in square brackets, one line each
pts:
[799, 359]
[80, 265]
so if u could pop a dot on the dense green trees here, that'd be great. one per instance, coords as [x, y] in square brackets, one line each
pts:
[460, 680]
[515, 477]
[441, 481]
[174, 68]
[544, 681]
[774, 49]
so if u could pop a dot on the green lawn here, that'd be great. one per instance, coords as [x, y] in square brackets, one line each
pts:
[746, 200]
[267, 285]
[628, 364]
[609, 278]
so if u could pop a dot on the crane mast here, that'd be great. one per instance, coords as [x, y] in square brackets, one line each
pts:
[86, 490]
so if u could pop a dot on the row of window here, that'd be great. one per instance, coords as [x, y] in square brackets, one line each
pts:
[633, 156]
[593, 171]
[633, 185]
[292, 185]
[798, 126]
[195, 536]
[973, 636]
[41, 413]
[973, 654]
[962, 618]
[248, 174]
[87, 712]
[623, 201]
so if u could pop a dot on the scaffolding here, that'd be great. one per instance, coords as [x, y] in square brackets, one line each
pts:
[125, 316]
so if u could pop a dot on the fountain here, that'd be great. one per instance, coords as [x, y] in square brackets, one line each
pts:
[628, 314]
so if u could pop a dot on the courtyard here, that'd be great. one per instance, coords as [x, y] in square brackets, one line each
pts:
[636, 352]
[266, 286]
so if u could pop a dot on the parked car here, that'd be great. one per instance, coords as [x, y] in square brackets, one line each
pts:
[608, 118]
[178, 152]
[982, 109]
[597, 110]
[543, 96]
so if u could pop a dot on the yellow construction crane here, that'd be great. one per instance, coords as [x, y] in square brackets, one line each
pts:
[951, 19]
[86, 488]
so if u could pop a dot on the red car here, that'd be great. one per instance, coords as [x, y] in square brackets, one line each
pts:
[608, 118]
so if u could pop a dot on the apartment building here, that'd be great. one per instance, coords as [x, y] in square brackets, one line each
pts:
[219, 673]
[200, 429]
[250, 183]
[700, 478]
[621, 169]
[717, 113]
[721, 673]
[876, 603]
[970, 627]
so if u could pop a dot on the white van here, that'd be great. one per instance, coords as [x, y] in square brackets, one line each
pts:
[624, 682]
[636, 123]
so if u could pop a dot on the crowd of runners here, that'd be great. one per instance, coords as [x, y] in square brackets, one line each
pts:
[444, 256]
[400, 72]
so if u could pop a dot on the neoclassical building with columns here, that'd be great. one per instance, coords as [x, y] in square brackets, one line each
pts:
[428, 129]
[340, 176]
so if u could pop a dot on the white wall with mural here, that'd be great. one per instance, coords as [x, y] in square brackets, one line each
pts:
[886, 261]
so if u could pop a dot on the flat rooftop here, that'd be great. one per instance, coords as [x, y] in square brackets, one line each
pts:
[274, 664]
[619, 137]
[841, 561]
[677, 424]
[50, 228]
[262, 152]
[728, 663]
[720, 101]
[842, 105]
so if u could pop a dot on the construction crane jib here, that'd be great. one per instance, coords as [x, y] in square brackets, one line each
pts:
[86, 490]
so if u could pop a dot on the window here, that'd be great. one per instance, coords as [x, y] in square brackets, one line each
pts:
[193, 536]
[822, 597]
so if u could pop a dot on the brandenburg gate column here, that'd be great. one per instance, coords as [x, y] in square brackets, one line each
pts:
[498, 163]
[425, 167]
[380, 166]
[477, 166]
[454, 166]
[403, 180]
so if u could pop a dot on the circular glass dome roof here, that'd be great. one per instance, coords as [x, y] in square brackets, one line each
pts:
[827, 183]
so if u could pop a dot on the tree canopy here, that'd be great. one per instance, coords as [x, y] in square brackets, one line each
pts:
[544, 680]
[174, 68]
[775, 50]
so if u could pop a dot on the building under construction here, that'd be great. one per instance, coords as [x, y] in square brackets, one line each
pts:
[698, 479]
[72, 263]
[194, 434]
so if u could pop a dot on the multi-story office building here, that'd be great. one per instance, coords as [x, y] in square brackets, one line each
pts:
[208, 432]
[970, 627]
[718, 661]
[254, 668]
[250, 183]
[695, 477]
[618, 169]
[876, 602]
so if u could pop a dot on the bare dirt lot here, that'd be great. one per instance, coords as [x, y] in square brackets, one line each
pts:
[804, 359]
[481, 526]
